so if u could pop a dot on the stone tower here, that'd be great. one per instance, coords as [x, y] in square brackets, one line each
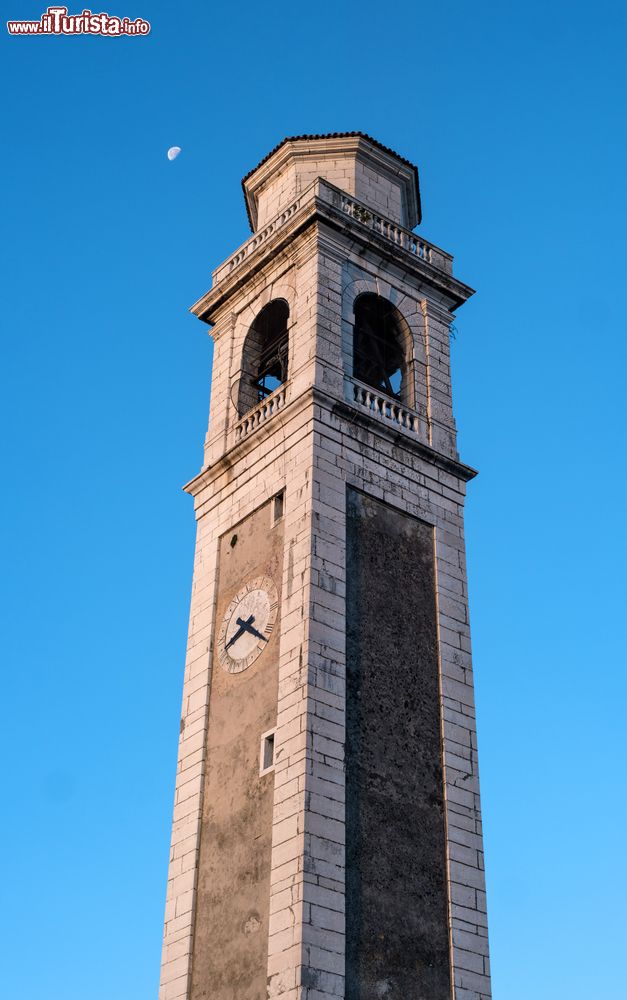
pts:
[327, 835]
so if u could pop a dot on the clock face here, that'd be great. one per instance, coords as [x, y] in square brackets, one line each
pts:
[247, 624]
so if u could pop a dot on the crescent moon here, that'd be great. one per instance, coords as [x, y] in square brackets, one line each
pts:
[173, 152]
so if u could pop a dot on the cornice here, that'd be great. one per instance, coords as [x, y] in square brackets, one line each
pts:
[247, 444]
[212, 300]
[456, 290]
[338, 407]
[434, 457]
[318, 210]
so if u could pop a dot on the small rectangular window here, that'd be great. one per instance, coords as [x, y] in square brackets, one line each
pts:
[266, 756]
[277, 507]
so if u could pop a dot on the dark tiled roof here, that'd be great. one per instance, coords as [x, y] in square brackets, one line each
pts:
[330, 135]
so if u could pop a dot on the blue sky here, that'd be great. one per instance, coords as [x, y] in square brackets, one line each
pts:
[515, 114]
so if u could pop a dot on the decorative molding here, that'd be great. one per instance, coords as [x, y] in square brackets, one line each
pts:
[323, 202]
[353, 412]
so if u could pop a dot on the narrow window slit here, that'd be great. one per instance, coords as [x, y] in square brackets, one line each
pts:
[277, 507]
[266, 762]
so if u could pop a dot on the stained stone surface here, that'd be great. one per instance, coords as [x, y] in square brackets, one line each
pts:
[231, 926]
[396, 912]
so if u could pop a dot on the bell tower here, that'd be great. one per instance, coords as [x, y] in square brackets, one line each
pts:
[326, 840]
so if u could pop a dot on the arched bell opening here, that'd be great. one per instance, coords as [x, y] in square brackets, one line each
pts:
[381, 347]
[265, 355]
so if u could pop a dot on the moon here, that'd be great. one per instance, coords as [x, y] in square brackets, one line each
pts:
[173, 152]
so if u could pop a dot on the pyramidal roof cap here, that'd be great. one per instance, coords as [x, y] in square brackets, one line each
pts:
[332, 135]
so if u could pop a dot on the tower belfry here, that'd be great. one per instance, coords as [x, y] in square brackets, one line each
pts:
[326, 839]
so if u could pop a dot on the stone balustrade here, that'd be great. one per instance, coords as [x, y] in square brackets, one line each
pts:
[356, 211]
[387, 409]
[254, 242]
[261, 413]
[391, 231]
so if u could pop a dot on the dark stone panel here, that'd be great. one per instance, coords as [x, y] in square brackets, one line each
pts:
[230, 953]
[397, 944]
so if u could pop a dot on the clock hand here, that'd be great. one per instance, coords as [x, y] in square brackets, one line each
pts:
[247, 626]
[243, 627]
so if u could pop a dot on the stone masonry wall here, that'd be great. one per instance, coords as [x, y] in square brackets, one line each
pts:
[231, 914]
[319, 444]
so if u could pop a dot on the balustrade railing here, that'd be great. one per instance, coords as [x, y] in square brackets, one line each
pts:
[262, 412]
[255, 241]
[355, 210]
[386, 408]
[391, 231]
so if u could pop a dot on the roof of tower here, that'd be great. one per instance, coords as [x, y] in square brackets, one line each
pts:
[333, 135]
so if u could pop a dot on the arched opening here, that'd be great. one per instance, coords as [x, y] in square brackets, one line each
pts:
[379, 351]
[265, 355]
